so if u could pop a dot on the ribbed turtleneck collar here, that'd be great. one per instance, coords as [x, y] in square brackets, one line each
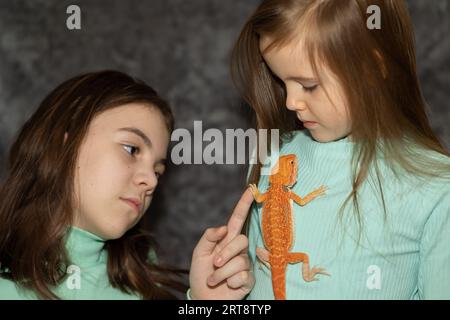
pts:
[85, 248]
[342, 147]
[319, 163]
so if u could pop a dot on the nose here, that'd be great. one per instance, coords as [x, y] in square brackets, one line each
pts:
[295, 103]
[298, 106]
[146, 181]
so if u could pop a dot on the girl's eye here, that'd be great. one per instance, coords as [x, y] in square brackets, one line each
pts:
[131, 149]
[311, 88]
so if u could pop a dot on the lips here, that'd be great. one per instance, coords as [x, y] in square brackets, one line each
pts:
[309, 124]
[304, 121]
[133, 202]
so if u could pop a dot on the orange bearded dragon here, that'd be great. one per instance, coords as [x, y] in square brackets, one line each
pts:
[277, 225]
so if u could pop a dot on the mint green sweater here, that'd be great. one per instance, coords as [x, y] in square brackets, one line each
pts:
[86, 253]
[406, 257]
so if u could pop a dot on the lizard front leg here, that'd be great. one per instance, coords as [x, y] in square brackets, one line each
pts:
[318, 192]
[256, 194]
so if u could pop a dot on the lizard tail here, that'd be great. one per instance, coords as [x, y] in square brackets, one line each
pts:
[279, 281]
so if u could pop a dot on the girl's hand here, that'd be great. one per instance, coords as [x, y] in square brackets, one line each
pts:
[220, 266]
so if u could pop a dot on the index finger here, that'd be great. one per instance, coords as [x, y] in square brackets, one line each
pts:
[240, 214]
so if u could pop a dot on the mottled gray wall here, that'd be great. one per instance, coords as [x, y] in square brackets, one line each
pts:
[181, 48]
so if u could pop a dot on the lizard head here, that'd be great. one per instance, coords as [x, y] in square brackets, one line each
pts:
[285, 171]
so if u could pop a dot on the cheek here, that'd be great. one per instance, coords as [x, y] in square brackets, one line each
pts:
[321, 108]
[102, 177]
[341, 112]
[343, 121]
[333, 117]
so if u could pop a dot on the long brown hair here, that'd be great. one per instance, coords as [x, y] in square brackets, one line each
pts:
[36, 199]
[376, 68]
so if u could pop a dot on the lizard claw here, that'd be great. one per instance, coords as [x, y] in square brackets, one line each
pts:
[263, 264]
[309, 275]
[322, 190]
[253, 189]
[263, 257]
[320, 271]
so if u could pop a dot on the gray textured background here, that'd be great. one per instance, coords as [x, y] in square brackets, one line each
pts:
[182, 49]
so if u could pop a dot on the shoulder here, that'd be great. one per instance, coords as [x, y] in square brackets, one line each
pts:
[10, 291]
[429, 193]
[427, 170]
[436, 185]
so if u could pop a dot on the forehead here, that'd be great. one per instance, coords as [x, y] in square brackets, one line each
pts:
[292, 46]
[290, 56]
[136, 112]
[293, 60]
[144, 117]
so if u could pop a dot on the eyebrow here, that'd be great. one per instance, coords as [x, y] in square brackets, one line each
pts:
[302, 79]
[139, 133]
[291, 78]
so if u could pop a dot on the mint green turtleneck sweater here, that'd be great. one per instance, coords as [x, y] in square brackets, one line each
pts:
[405, 257]
[86, 252]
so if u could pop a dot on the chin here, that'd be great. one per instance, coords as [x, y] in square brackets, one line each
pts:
[114, 232]
[325, 138]
[320, 138]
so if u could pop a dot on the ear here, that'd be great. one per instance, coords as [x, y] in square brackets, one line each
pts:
[381, 63]
[65, 137]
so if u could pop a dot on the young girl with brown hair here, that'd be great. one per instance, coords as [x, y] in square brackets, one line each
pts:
[81, 175]
[347, 101]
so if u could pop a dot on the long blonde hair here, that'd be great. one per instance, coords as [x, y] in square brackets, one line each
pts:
[377, 71]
